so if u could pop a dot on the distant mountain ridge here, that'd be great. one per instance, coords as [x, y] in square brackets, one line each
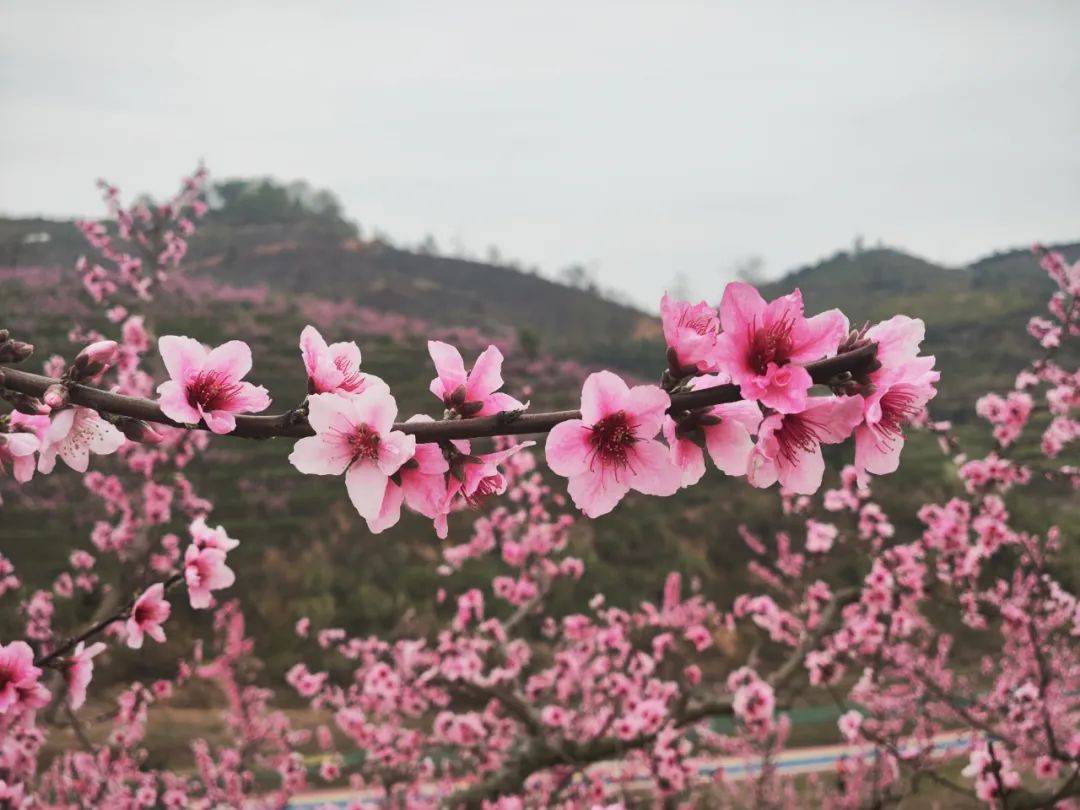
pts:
[966, 309]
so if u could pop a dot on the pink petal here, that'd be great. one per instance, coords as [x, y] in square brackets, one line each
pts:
[785, 308]
[499, 403]
[323, 454]
[596, 494]
[651, 470]
[312, 348]
[785, 388]
[804, 476]
[330, 412]
[762, 471]
[394, 450]
[875, 453]
[183, 356]
[448, 365]
[220, 422]
[898, 339]
[604, 393]
[747, 414]
[646, 406]
[834, 417]
[231, 359]
[366, 485]
[250, 399]
[567, 449]
[375, 408]
[740, 307]
[729, 446]
[390, 512]
[486, 375]
[173, 401]
[819, 336]
[21, 444]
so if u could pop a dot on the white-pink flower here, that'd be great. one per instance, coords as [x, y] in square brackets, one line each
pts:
[208, 384]
[763, 343]
[74, 434]
[354, 435]
[19, 686]
[789, 445]
[333, 368]
[79, 670]
[612, 448]
[475, 393]
[205, 571]
[148, 613]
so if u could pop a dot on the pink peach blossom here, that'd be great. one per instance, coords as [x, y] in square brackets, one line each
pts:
[900, 393]
[207, 384]
[79, 670]
[473, 478]
[763, 343]
[148, 613]
[205, 537]
[73, 435]
[475, 393]
[354, 435]
[691, 332]
[19, 686]
[205, 571]
[789, 445]
[334, 368]
[725, 429]
[612, 448]
[17, 453]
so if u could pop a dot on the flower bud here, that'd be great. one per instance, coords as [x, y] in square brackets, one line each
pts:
[94, 359]
[138, 431]
[15, 351]
[57, 396]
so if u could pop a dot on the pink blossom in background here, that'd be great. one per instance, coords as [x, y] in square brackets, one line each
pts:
[205, 537]
[354, 435]
[475, 393]
[789, 445]
[79, 670]
[691, 332]
[333, 368]
[147, 615]
[612, 448]
[74, 434]
[762, 343]
[205, 571]
[19, 686]
[208, 384]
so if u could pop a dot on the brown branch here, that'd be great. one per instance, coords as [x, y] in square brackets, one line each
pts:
[294, 425]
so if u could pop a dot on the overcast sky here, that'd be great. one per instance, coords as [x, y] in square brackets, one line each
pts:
[643, 139]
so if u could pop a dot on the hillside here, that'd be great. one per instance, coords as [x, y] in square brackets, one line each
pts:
[300, 531]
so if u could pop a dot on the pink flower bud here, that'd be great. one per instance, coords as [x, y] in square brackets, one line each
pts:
[57, 396]
[94, 359]
[138, 431]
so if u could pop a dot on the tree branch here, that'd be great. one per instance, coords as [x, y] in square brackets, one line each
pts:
[294, 425]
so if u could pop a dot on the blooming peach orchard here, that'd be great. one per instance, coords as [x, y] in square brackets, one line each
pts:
[512, 704]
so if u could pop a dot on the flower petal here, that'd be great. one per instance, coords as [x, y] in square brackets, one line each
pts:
[183, 356]
[366, 485]
[231, 359]
[567, 449]
[604, 393]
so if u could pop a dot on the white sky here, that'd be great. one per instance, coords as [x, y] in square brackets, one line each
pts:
[644, 139]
